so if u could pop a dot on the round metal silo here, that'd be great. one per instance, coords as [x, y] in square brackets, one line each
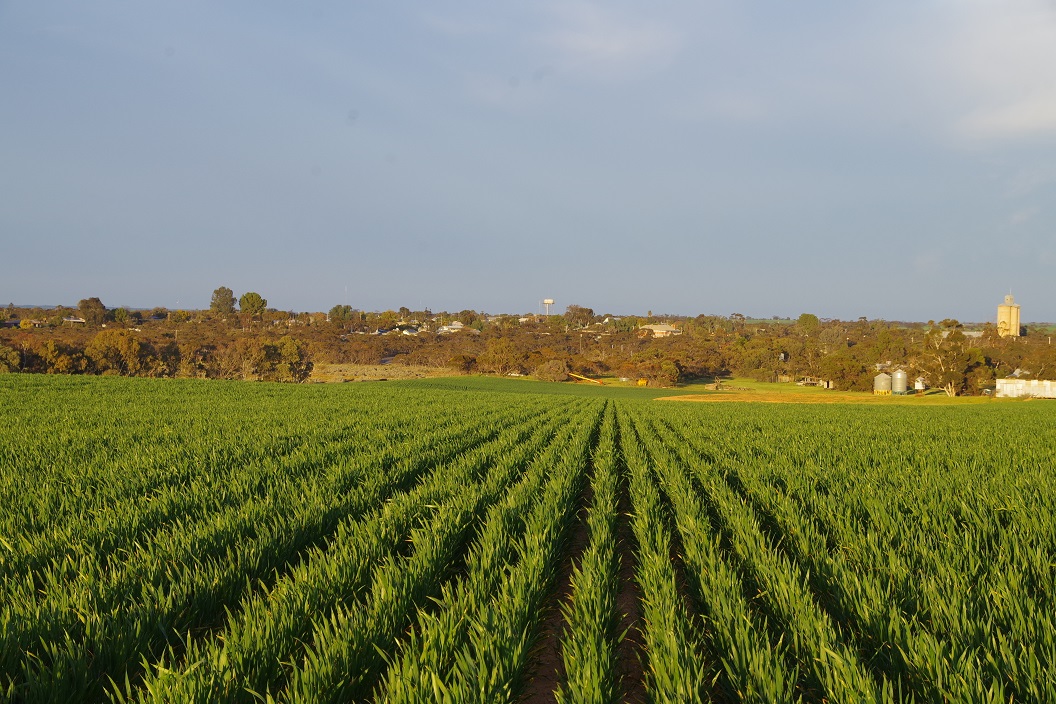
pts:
[882, 384]
[899, 382]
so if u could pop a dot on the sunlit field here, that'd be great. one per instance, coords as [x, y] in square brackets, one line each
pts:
[485, 540]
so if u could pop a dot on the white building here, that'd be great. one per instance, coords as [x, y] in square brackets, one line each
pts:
[661, 330]
[1026, 388]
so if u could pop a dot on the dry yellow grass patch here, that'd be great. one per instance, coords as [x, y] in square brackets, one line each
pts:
[335, 373]
[823, 397]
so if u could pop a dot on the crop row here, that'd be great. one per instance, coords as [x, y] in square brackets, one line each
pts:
[874, 575]
[408, 543]
[71, 626]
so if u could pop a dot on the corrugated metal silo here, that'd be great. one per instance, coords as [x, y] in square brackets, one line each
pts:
[899, 382]
[882, 384]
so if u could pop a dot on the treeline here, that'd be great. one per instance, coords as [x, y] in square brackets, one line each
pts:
[126, 352]
[267, 344]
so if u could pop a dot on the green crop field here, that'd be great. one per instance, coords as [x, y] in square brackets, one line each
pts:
[466, 540]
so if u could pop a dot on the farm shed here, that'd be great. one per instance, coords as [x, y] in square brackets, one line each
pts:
[1024, 388]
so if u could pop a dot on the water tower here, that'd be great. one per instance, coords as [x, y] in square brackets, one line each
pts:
[548, 302]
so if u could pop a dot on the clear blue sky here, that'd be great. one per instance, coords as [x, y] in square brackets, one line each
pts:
[895, 160]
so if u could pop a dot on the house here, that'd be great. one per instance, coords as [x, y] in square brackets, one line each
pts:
[816, 381]
[659, 330]
[455, 326]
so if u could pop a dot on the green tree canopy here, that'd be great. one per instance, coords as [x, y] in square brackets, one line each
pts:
[947, 358]
[251, 303]
[655, 366]
[223, 301]
[579, 316]
[292, 360]
[340, 314]
[92, 310]
[500, 356]
[553, 370]
[466, 317]
[115, 351]
[9, 359]
[808, 323]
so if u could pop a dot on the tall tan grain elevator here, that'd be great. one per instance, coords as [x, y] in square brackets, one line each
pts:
[1008, 318]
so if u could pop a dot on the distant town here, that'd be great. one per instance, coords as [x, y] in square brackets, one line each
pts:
[244, 338]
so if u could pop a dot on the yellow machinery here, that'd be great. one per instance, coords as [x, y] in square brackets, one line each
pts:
[583, 378]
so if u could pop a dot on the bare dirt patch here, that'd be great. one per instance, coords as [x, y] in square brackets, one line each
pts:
[767, 397]
[336, 373]
[822, 397]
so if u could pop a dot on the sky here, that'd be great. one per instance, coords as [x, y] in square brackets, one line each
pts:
[891, 160]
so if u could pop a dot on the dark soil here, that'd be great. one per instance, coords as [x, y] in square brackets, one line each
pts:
[546, 667]
[629, 652]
